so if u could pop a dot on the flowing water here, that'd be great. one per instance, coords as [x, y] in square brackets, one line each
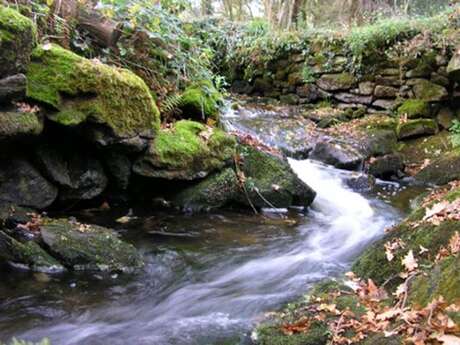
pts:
[209, 278]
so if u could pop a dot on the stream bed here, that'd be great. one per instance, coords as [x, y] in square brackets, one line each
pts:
[209, 278]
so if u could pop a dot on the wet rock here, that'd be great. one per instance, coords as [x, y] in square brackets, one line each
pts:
[269, 182]
[442, 170]
[416, 128]
[382, 91]
[242, 87]
[428, 91]
[27, 255]
[88, 247]
[12, 88]
[385, 166]
[119, 167]
[17, 125]
[113, 103]
[216, 191]
[336, 82]
[360, 182]
[23, 185]
[79, 175]
[17, 39]
[340, 155]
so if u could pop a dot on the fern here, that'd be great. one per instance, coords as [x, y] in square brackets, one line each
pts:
[170, 105]
[455, 133]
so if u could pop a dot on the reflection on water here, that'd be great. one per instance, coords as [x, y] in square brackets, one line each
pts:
[208, 278]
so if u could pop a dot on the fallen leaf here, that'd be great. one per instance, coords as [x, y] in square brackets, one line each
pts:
[409, 261]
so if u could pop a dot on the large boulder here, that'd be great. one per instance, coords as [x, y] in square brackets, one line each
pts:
[83, 91]
[22, 184]
[263, 181]
[17, 39]
[186, 151]
[15, 125]
[79, 175]
[201, 101]
[88, 247]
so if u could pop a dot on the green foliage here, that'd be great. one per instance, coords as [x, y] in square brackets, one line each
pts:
[307, 74]
[455, 133]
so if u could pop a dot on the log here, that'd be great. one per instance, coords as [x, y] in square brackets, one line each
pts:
[104, 31]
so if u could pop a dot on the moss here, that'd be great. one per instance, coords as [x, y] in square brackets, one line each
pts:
[201, 100]
[417, 150]
[415, 128]
[318, 334]
[263, 171]
[442, 170]
[12, 22]
[82, 90]
[89, 247]
[16, 124]
[414, 108]
[381, 339]
[430, 92]
[443, 280]
[215, 191]
[187, 150]
[373, 262]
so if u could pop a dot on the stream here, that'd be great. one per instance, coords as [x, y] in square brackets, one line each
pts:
[209, 278]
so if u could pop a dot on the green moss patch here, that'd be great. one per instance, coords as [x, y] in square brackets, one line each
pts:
[201, 100]
[414, 108]
[188, 150]
[88, 90]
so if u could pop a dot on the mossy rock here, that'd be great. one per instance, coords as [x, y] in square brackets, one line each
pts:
[442, 280]
[330, 292]
[416, 128]
[88, 247]
[415, 151]
[270, 181]
[15, 125]
[373, 262]
[216, 191]
[186, 151]
[414, 108]
[27, 255]
[336, 82]
[429, 92]
[441, 170]
[17, 39]
[201, 101]
[88, 91]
